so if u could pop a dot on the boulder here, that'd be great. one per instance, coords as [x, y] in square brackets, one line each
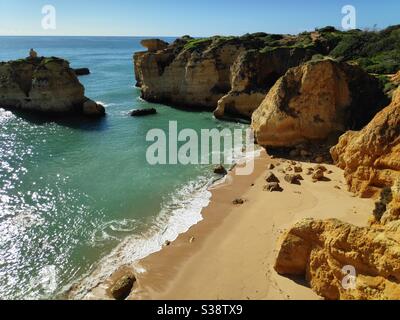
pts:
[322, 251]
[82, 71]
[143, 112]
[93, 109]
[271, 178]
[293, 178]
[33, 54]
[314, 101]
[123, 287]
[273, 187]
[318, 175]
[220, 170]
[154, 45]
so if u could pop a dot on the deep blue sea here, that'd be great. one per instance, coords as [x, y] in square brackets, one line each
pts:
[73, 191]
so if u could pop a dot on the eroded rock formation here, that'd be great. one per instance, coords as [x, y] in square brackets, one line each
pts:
[321, 249]
[227, 74]
[315, 100]
[370, 158]
[45, 85]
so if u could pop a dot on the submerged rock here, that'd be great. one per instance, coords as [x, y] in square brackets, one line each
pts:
[46, 85]
[82, 71]
[143, 112]
[238, 201]
[220, 170]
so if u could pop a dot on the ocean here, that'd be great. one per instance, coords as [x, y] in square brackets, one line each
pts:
[79, 195]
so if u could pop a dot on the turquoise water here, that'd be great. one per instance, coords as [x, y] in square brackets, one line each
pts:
[71, 191]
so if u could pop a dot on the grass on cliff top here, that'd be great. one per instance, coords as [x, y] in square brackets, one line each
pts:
[374, 51]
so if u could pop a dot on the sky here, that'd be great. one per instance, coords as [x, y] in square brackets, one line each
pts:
[193, 17]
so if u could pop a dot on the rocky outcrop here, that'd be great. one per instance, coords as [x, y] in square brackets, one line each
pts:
[46, 85]
[123, 287]
[370, 158]
[323, 250]
[154, 45]
[82, 71]
[230, 75]
[253, 74]
[314, 101]
[320, 250]
[183, 77]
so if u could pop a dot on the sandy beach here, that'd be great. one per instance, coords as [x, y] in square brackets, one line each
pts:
[231, 253]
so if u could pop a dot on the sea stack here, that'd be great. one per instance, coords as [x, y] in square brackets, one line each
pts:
[44, 85]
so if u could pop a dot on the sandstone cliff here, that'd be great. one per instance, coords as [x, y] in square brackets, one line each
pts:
[226, 74]
[45, 85]
[371, 157]
[315, 100]
[320, 249]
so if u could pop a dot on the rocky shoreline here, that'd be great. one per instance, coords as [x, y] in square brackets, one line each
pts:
[299, 90]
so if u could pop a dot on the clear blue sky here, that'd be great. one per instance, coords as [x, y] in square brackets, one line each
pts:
[194, 17]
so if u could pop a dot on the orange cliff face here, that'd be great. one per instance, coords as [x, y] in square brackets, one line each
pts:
[320, 249]
[370, 158]
[314, 101]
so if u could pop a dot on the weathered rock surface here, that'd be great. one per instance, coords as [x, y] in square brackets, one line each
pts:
[370, 158]
[123, 287]
[253, 74]
[273, 187]
[154, 45]
[82, 71]
[314, 101]
[45, 85]
[320, 249]
[227, 74]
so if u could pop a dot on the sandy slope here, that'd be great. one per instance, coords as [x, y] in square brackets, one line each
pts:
[234, 248]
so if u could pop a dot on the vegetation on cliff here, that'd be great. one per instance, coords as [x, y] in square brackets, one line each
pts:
[232, 75]
[44, 84]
